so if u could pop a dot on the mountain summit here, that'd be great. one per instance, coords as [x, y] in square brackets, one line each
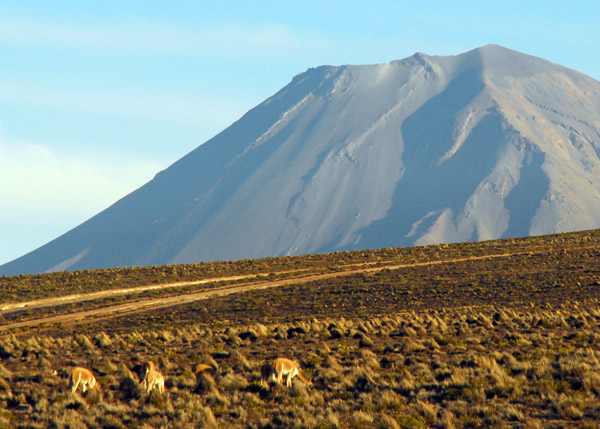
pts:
[488, 144]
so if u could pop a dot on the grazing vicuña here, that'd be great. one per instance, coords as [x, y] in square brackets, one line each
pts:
[284, 366]
[84, 377]
[154, 379]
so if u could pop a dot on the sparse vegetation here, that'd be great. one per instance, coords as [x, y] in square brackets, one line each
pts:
[512, 341]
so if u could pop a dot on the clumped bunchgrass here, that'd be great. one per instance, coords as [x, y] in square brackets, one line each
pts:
[536, 373]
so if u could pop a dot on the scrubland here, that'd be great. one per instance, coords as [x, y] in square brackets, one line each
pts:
[512, 341]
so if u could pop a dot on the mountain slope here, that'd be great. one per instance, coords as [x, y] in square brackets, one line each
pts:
[488, 144]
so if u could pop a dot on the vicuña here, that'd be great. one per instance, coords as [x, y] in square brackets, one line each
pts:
[84, 377]
[286, 367]
[154, 379]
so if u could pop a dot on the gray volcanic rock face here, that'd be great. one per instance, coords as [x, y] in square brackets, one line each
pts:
[488, 144]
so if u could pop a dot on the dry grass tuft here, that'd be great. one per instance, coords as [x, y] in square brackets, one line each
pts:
[102, 339]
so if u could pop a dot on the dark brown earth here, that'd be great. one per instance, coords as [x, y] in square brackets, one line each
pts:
[522, 278]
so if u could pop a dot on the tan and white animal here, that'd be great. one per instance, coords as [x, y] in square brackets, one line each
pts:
[84, 377]
[154, 379]
[285, 367]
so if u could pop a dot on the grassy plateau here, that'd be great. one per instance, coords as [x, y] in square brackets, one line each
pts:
[502, 333]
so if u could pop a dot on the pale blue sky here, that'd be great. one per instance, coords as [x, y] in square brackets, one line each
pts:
[98, 96]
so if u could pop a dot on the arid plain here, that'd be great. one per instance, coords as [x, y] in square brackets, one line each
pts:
[501, 333]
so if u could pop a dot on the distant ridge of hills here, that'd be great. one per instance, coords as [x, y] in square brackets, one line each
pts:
[488, 144]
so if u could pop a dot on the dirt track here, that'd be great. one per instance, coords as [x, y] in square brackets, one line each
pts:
[80, 297]
[142, 305]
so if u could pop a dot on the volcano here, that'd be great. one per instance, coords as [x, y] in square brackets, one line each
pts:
[488, 144]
